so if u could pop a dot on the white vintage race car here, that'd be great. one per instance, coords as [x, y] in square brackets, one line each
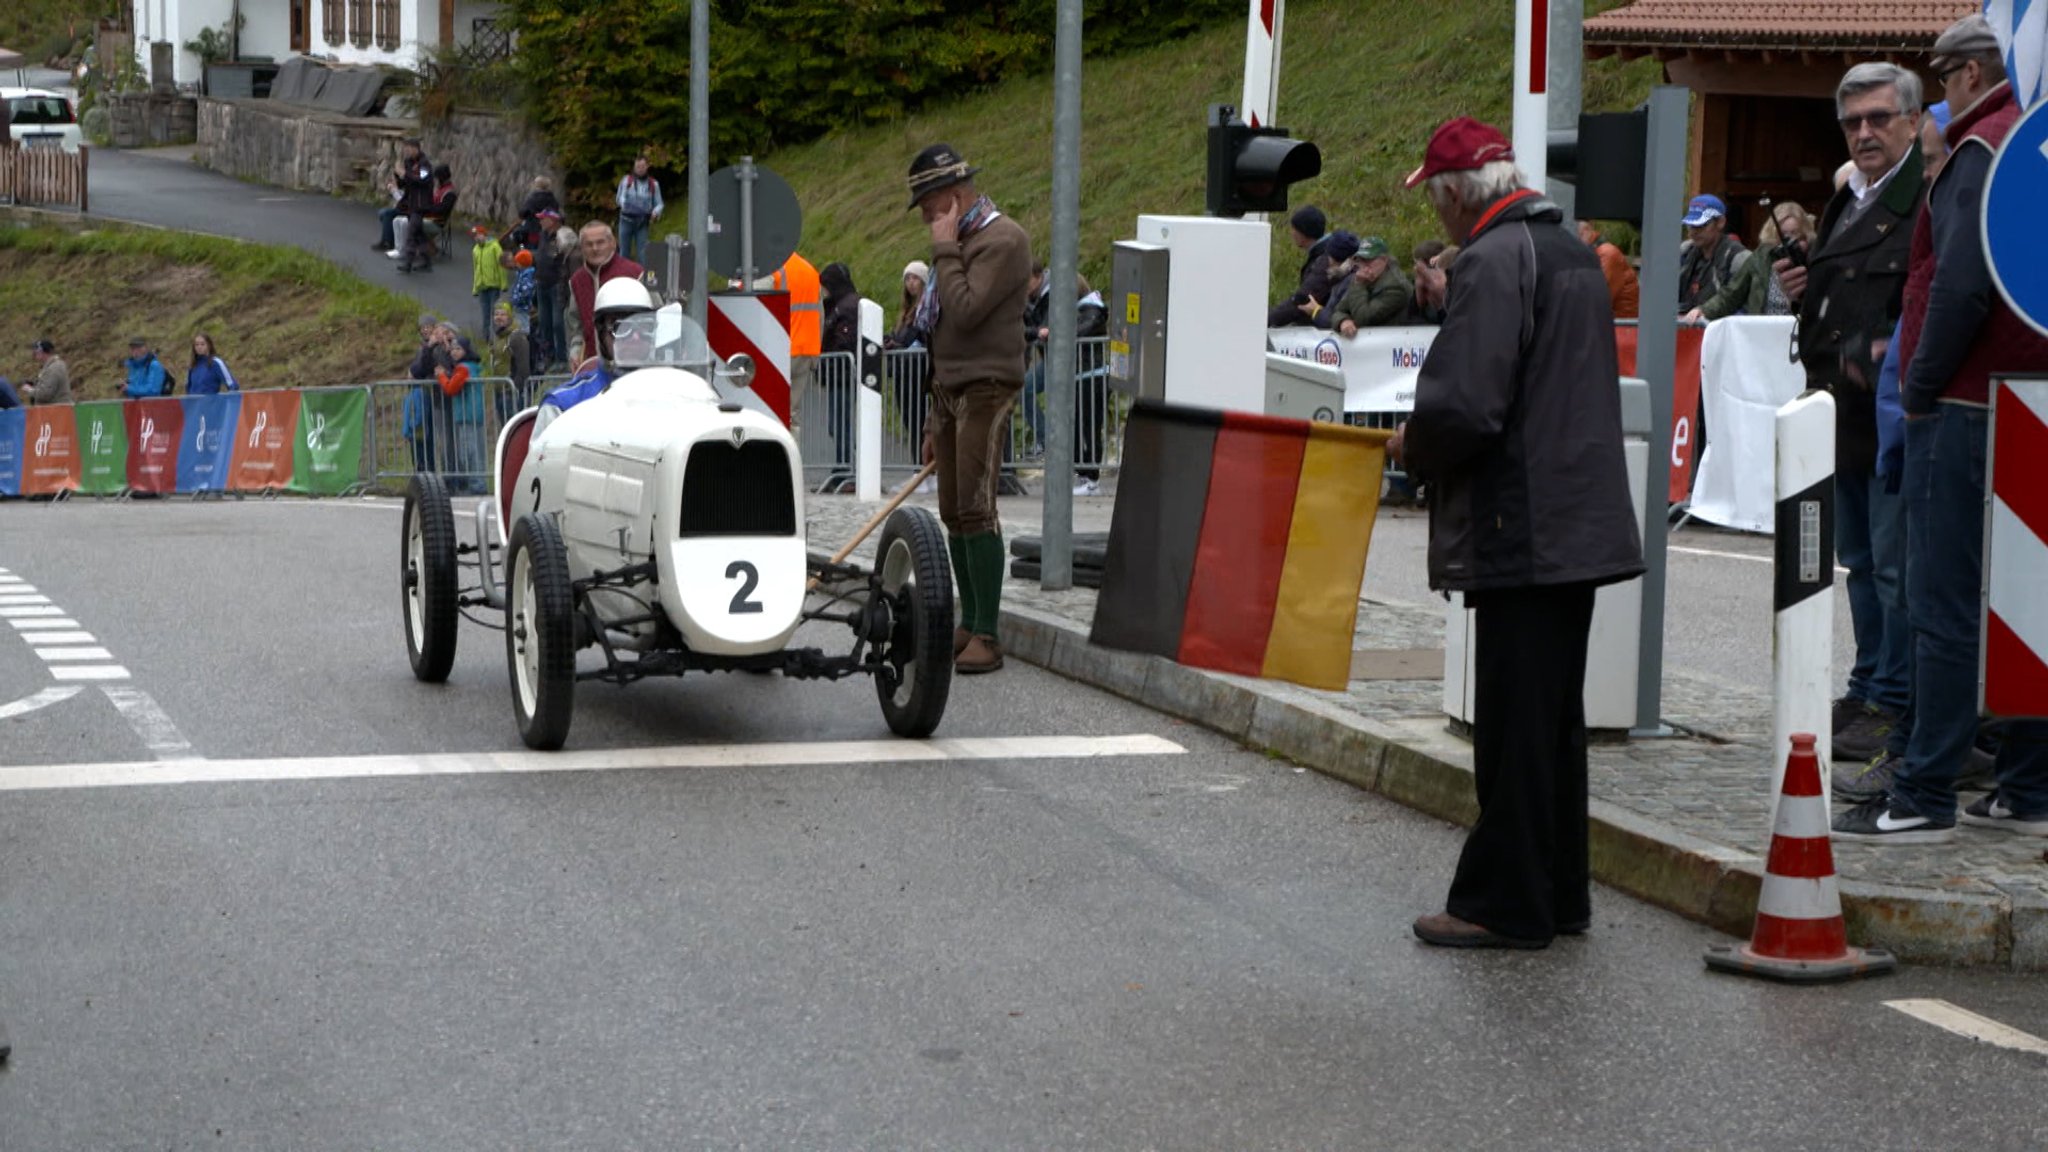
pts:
[661, 523]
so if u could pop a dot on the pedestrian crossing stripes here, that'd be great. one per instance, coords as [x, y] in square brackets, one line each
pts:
[70, 652]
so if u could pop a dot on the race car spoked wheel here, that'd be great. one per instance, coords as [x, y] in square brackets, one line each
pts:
[540, 632]
[427, 578]
[910, 564]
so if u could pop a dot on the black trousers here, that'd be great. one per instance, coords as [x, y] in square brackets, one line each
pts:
[1523, 871]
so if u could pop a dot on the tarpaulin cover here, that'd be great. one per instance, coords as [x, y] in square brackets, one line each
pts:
[350, 90]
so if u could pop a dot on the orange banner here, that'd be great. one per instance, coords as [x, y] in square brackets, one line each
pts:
[1685, 400]
[51, 463]
[264, 441]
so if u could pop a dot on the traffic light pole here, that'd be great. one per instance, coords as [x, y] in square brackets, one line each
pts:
[1656, 363]
[700, 158]
[1056, 564]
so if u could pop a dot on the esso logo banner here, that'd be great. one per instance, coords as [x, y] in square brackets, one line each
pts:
[156, 428]
[207, 441]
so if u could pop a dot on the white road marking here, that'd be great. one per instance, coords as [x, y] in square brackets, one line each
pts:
[13, 580]
[43, 699]
[47, 622]
[60, 653]
[60, 638]
[150, 722]
[91, 672]
[1963, 1022]
[23, 598]
[14, 611]
[44, 777]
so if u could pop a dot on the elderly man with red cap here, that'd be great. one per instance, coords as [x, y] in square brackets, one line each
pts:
[1517, 432]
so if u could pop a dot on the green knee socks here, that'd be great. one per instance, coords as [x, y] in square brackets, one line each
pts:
[963, 578]
[984, 554]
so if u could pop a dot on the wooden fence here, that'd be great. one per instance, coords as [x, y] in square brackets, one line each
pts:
[47, 177]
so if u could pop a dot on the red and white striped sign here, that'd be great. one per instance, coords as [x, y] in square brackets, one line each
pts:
[756, 323]
[2015, 650]
[1262, 63]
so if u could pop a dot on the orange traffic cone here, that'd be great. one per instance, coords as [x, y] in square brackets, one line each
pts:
[1799, 936]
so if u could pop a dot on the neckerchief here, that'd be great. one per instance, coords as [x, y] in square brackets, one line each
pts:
[979, 215]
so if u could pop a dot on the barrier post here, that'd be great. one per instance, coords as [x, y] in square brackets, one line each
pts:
[867, 395]
[1803, 589]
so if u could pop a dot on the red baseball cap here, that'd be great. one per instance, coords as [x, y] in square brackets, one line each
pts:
[1461, 145]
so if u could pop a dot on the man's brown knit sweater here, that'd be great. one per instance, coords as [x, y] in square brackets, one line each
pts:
[982, 281]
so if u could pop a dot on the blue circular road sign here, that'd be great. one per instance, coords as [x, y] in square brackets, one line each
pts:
[2014, 231]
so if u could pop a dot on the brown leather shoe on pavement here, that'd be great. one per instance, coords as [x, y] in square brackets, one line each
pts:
[960, 638]
[982, 654]
[1447, 931]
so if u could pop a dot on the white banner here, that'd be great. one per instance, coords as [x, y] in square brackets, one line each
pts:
[1746, 374]
[1379, 364]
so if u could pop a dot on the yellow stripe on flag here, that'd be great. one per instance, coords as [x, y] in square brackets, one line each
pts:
[1334, 508]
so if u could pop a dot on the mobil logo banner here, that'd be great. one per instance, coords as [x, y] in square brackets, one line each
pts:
[102, 447]
[12, 422]
[263, 445]
[51, 462]
[155, 429]
[207, 441]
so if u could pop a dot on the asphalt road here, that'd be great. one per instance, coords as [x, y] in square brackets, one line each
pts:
[789, 944]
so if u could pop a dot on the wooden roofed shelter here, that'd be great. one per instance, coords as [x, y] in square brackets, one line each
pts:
[1763, 74]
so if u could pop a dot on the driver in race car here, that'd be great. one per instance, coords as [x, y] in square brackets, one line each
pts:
[616, 300]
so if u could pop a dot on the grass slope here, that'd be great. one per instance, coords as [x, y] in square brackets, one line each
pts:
[1366, 80]
[280, 317]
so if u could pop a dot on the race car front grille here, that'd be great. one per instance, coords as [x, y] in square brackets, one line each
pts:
[742, 490]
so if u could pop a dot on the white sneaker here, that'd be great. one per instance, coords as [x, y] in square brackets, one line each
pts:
[931, 484]
[394, 254]
[1087, 488]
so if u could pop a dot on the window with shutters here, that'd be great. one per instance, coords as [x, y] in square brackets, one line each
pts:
[387, 25]
[333, 21]
[359, 23]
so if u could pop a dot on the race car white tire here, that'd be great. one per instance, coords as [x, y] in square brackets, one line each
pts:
[911, 564]
[426, 563]
[540, 632]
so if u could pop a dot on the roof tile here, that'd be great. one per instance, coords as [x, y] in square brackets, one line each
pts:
[1807, 24]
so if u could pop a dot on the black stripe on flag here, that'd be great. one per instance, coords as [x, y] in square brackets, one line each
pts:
[1161, 496]
[1805, 544]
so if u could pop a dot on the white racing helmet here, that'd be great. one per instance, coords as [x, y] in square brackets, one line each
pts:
[615, 300]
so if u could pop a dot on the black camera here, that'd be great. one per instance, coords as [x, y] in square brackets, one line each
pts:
[1793, 250]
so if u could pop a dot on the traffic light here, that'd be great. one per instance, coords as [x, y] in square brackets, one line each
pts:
[1604, 161]
[1250, 168]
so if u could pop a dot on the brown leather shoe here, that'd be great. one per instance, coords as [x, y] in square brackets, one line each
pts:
[960, 638]
[1447, 931]
[982, 654]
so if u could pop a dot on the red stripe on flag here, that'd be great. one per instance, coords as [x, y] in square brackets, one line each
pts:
[1801, 857]
[1243, 547]
[2015, 677]
[1539, 46]
[2021, 447]
[1782, 939]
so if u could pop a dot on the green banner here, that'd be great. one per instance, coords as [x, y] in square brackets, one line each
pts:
[328, 457]
[102, 447]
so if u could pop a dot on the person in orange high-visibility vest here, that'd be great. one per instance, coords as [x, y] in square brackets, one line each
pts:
[800, 280]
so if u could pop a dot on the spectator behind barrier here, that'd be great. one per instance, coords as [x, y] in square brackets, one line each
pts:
[146, 374]
[9, 398]
[209, 373]
[639, 199]
[53, 378]
[1623, 291]
[1307, 228]
[1710, 255]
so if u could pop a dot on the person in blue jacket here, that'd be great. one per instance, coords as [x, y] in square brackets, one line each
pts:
[145, 371]
[209, 373]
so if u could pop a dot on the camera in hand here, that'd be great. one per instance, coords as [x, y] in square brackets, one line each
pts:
[1792, 250]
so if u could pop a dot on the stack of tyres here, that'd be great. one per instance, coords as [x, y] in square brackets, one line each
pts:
[1089, 550]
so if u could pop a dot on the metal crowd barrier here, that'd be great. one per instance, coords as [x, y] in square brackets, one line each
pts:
[415, 427]
[823, 412]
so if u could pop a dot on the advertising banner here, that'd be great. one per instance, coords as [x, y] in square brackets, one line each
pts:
[328, 442]
[155, 429]
[265, 441]
[13, 421]
[1685, 399]
[51, 464]
[1379, 364]
[102, 447]
[206, 441]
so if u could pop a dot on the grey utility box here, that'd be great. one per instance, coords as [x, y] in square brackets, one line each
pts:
[1303, 390]
[1137, 318]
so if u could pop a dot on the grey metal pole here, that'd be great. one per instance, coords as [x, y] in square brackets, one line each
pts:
[1656, 359]
[700, 157]
[1056, 566]
[747, 223]
[1567, 96]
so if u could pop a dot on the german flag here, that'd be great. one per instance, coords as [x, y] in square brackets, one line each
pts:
[1238, 542]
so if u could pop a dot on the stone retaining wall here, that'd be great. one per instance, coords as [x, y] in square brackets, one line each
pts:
[493, 157]
[144, 119]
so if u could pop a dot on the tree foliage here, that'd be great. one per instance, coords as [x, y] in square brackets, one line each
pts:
[609, 81]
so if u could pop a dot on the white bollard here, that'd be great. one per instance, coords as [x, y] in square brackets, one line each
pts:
[867, 418]
[1803, 637]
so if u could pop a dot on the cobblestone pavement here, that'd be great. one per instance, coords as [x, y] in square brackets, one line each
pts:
[1711, 780]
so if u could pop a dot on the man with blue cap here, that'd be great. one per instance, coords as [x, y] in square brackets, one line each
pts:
[1710, 256]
